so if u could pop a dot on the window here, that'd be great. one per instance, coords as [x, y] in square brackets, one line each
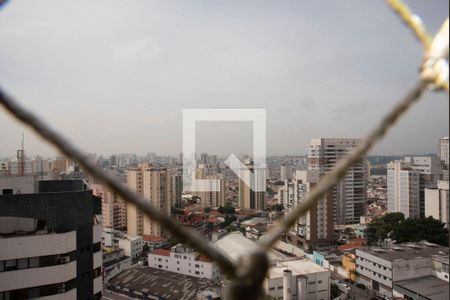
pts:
[10, 265]
[22, 263]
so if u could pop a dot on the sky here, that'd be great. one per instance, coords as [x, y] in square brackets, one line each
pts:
[115, 76]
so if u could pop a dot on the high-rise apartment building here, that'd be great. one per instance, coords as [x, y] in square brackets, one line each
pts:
[349, 195]
[403, 189]
[286, 172]
[430, 171]
[437, 202]
[443, 156]
[248, 198]
[175, 188]
[151, 182]
[211, 191]
[316, 226]
[114, 209]
[443, 150]
[50, 243]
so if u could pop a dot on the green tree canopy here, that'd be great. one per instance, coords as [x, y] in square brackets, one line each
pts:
[404, 230]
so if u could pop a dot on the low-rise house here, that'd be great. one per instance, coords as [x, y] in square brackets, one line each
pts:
[155, 242]
[184, 260]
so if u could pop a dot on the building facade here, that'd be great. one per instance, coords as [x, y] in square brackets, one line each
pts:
[114, 209]
[349, 195]
[316, 226]
[248, 198]
[151, 182]
[51, 243]
[437, 201]
[296, 280]
[379, 268]
[403, 189]
[183, 260]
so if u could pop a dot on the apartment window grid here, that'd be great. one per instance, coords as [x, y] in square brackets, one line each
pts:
[253, 267]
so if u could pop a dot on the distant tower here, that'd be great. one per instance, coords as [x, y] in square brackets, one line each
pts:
[21, 158]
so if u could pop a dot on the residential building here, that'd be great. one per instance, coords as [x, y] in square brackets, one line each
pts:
[175, 189]
[155, 242]
[248, 197]
[296, 280]
[349, 195]
[184, 260]
[379, 268]
[316, 226]
[131, 245]
[114, 261]
[443, 152]
[403, 189]
[211, 189]
[286, 172]
[151, 182]
[349, 264]
[437, 202]
[430, 171]
[114, 209]
[50, 243]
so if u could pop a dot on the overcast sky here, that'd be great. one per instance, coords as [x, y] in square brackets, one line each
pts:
[116, 75]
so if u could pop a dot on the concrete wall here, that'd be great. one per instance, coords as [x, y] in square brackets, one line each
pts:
[289, 248]
[408, 269]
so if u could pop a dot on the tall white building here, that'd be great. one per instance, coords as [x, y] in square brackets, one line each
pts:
[437, 202]
[349, 195]
[443, 150]
[430, 171]
[403, 189]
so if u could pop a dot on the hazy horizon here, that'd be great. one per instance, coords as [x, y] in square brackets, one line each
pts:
[116, 76]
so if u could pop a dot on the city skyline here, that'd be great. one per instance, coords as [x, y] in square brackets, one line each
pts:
[118, 80]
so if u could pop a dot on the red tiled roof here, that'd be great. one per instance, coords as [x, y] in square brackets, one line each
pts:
[203, 258]
[153, 238]
[161, 252]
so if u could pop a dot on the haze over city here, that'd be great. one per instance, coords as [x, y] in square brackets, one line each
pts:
[115, 77]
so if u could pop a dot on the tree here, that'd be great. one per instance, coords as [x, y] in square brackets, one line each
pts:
[335, 292]
[207, 209]
[228, 209]
[379, 228]
[145, 248]
[278, 207]
[404, 230]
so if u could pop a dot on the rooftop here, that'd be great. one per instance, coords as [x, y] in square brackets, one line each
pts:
[162, 252]
[234, 245]
[152, 238]
[406, 251]
[163, 284]
[298, 267]
[429, 287]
